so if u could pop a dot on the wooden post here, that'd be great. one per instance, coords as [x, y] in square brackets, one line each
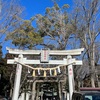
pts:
[33, 91]
[59, 85]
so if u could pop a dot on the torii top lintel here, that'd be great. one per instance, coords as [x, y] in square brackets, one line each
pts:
[51, 52]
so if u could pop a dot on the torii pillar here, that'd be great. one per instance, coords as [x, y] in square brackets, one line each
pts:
[70, 77]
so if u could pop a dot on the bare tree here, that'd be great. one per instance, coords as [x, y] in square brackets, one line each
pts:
[86, 20]
[10, 19]
[10, 16]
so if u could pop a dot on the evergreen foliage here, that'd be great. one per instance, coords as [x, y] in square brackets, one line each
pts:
[25, 36]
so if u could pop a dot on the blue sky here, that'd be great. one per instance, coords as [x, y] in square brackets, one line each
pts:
[33, 7]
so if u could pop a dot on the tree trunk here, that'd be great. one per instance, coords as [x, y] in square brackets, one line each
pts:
[92, 80]
[93, 65]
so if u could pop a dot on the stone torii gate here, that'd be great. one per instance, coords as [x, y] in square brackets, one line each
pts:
[68, 61]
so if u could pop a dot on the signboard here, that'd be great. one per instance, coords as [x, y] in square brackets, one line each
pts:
[45, 56]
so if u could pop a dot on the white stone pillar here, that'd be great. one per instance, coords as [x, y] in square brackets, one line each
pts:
[67, 96]
[70, 76]
[17, 79]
